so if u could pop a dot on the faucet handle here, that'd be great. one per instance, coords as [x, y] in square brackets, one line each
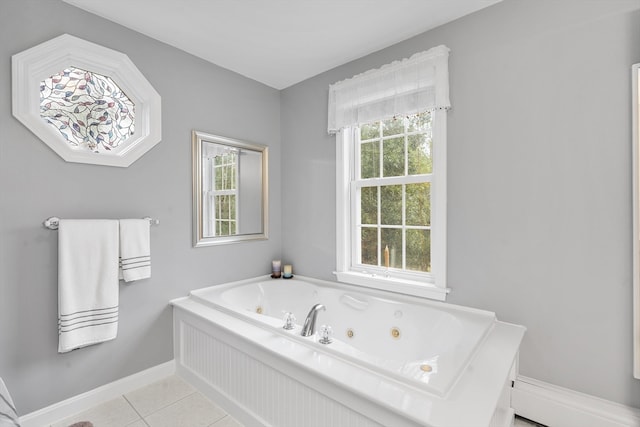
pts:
[325, 334]
[289, 321]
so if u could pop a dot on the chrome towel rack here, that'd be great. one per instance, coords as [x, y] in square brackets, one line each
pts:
[53, 222]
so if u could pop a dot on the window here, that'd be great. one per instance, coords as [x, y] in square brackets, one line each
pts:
[392, 194]
[391, 176]
[88, 103]
[221, 194]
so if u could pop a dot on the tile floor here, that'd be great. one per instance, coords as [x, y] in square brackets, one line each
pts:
[170, 402]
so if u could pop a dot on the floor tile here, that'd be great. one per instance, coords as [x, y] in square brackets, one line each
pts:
[158, 395]
[193, 411]
[139, 423]
[227, 421]
[114, 413]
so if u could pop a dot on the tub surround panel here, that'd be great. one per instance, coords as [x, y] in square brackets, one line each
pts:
[267, 396]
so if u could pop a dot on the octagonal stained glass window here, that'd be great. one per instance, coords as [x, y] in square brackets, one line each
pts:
[88, 103]
[89, 110]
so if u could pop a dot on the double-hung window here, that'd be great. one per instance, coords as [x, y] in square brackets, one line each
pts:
[221, 193]
[390, 126]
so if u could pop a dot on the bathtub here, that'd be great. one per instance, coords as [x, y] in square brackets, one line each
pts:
[393, 360]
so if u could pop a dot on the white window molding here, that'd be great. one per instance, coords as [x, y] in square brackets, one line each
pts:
[34, 65]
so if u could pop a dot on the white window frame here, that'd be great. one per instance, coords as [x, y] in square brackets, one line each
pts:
[429, 285]
[40, 62]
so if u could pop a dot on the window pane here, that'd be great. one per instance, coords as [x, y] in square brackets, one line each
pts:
[370, 160]
[419, 250]
[369, 205]
[223, 207]
[420, 158]
[88, 109]
[392, 238]
[218, 177]
[370, 131]
[369, 245]
[418, 204]
[232, 202]
[393, 127]
[393, 157]
[419, 123]
[224, 228]
[391, 205]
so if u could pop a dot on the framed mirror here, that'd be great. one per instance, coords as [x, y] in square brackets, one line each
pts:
[230, 190]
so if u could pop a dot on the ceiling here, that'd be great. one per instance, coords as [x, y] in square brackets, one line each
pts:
[281, 42]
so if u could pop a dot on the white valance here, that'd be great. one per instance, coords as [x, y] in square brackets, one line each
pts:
[414, 85]
[211, 150]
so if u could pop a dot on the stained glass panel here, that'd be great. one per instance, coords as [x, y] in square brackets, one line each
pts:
[88, 109]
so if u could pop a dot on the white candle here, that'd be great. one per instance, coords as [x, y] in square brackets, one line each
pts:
[287, 271]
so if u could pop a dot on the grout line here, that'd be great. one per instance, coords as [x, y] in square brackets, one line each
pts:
[217, 421]
[166, 406]
[133, 407]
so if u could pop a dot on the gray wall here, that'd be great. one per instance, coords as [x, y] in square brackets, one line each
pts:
[539, 190]
[539, 168]
[35, 183]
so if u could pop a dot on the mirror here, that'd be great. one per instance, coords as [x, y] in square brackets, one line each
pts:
[230, 190]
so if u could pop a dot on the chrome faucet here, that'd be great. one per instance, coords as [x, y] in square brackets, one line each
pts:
[309, 327]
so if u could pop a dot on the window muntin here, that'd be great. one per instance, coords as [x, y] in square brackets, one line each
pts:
[391, 194]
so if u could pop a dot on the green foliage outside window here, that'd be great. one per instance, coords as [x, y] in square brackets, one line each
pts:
[396, 216]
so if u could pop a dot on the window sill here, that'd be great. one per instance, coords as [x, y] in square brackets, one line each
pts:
[391, 284]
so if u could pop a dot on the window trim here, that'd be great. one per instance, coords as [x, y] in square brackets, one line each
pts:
[405, 282]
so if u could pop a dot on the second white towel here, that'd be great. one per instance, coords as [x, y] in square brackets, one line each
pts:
[135, 249]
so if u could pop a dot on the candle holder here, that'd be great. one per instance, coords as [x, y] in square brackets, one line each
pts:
[275, 269]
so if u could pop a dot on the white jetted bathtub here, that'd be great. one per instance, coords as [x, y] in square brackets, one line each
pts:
[393, 360]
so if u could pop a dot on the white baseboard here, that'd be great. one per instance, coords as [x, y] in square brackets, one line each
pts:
[84, 401]
[556, 406]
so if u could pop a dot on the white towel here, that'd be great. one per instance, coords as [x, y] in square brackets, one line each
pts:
[87, 282]
[135, 249]
[8, 414]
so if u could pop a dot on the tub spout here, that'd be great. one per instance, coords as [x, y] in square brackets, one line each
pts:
[309, 327]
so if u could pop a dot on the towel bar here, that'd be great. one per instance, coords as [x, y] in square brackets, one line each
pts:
[53, 222]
